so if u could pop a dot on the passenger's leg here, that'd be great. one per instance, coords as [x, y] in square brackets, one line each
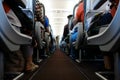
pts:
[108, 62]
[72, 40]
[14, 61]
[28, 52]
[72, 53]
[42, 53]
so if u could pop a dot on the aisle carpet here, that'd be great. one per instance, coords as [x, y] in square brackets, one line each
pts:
[59, 67]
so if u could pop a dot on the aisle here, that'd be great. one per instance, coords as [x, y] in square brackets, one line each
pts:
[58, 67]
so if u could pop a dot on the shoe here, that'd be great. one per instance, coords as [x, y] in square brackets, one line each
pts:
[36, 66]
[31, 67]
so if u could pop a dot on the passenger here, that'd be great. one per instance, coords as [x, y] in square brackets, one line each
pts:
[73, 52]
[78, 18]
[66, 31]
[39, 18]
[63, 46]
[66, 28]
[38, 12]
[65, 38]
[54, 45]
[57, 41]
[27, 50]
[45, 21]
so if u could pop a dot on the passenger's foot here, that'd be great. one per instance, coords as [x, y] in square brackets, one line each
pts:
[31, 67]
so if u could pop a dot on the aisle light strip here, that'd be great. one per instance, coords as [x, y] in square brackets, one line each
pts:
[99, 75]
[18, 76]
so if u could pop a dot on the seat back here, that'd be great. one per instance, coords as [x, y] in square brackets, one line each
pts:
[109, 37]
[95, 6]
[38, 34]
[9, 34]
[80, 35]
[94, 9]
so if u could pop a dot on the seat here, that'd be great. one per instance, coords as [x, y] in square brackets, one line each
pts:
[108, 35]
[91, 16]
[10, 38]
[10, 35]
[38, 26]
[80, 35]
[108, 41]
[97, 7]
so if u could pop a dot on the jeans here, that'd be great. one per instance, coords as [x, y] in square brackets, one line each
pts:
[73, 51]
